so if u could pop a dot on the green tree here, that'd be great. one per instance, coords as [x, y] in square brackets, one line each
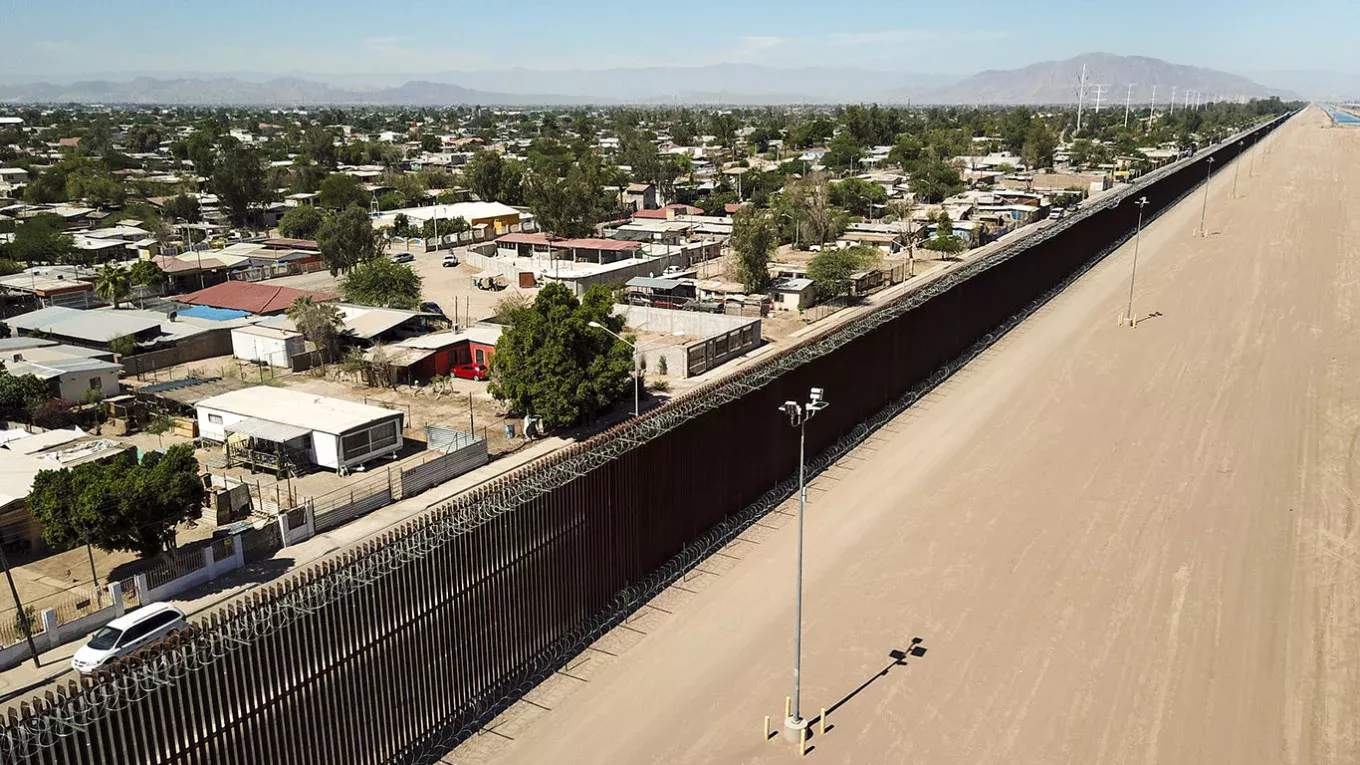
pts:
[48, 186]
[753, 242]
[95, 186]
[125, 345]
[934, 180]
[301, 222]
[842, 153]
[319, 323]
[112, 284]
[857, 196]
[18, 393]
[945, 240]
[830, 270]
[550, 364]
[430, 143]
[146, 272]
[42, 239]
[570, 206]
[122, 504]
[347, 238]
[382, 282]
[144, 138]
[1037, 151]
[183, 207]
[319, 144]
[339, 191]
[238, 179]
[495, 179]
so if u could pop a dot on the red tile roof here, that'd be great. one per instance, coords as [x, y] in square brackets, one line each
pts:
[568, 244]
[251, 297]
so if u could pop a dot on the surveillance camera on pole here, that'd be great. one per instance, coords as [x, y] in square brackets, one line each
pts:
[794, 725]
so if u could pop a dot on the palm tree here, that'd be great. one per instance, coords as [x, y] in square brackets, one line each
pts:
[112, 284]
[318, 322]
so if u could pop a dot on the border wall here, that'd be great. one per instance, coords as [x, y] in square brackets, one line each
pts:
[397, 650]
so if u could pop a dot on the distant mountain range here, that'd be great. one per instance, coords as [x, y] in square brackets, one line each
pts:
[736, 84]
[1056, 82]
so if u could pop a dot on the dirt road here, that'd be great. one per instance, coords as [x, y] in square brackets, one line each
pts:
[1118, 545]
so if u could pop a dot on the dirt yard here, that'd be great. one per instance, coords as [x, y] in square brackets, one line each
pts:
[1115, 545]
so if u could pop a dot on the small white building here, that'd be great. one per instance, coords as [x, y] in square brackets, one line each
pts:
[328, 432]
[267, 345]
[69, 371]
[791, 293]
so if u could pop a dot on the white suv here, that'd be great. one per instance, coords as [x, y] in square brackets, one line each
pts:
[126, 634]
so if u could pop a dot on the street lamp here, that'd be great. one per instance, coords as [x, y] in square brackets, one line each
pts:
[637, 360]
[1137, 237]
[799, 414]
[794, 221]
[1208, 175]
[1237, 167]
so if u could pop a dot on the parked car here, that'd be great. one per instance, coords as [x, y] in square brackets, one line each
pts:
[470, 371]
[126, 634]
[1055, 214]
[449, 261]
[429, 306]
[403, 257]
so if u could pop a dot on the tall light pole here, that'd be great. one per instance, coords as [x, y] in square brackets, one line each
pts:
[1237, 167]
[799, 414]
[1208, 175]
[1133, 273]
[637, 361]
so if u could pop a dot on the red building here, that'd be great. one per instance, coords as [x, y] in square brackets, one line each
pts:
[421, 358]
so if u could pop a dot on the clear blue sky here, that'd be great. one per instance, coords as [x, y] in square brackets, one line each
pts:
[82, 37]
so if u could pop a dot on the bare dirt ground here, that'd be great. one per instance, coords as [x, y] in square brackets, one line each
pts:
[1117, 545]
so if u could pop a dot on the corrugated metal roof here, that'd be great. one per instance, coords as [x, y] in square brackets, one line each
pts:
[650, 283]
[97, 326]
[292, 407]
[251, 297]
[274, 432]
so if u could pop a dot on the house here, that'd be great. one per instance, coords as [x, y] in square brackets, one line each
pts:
[13, 176]
[661, 293]
[22, 456]
[889, 243]
[420, 358]
[368, 324]
[51, 285]
[307, 428]
[591, 250]
[69, 371]
[267, 345]
[86, 328]
[792, 294]
[493, 215]
[668, 212]
[263, 299]
[641, 196]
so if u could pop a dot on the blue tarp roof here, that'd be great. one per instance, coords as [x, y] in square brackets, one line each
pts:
[213, 314]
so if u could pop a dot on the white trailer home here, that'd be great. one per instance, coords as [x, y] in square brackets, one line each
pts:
[330, 432]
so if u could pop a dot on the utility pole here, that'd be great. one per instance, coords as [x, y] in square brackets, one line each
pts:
[1100, 91]
[799, 414]
[1128, 101]
[1152, 107]
[1237, 168]
[1133, 273]
[1081, 96]
[19, 608]
[1204, 208]
[1173, 100]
